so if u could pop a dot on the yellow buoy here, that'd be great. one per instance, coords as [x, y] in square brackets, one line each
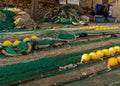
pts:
[7, 43]
[34, 37]
[101, 28]
[90, 27]
[118, 58]
[0, 43]
[100, 53]
[16, 42]
[26, 39]
[94, 56]
[85, 58]
[117, 49]
[112, 62]
[106, 52]
[97, 29]
[112, 50]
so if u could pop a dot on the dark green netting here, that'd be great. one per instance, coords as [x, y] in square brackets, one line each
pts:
[62, 20]
[64, 15]
[53, 36]
[17, 49]
[21, 71]
[66, 36]
[8, 22]
[60, 34]
[44, 41]
[2, 16]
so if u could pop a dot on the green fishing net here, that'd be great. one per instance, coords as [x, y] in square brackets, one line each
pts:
[7, 22]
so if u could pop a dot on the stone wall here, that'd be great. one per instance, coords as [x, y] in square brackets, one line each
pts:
[90, 4]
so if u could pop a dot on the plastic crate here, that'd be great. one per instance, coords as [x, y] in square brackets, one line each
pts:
[111, 19]
[100, 19]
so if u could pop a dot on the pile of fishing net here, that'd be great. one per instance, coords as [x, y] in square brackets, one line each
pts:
[22, 19]
[67, 14]
[6, 19]
[14, 18]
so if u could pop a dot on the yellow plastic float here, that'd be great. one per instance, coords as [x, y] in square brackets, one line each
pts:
[26, 39]
[112, 62]
[94, 56]
[118, 58]
[106, 52]
[7, 43]
[117, 49]
[34, 37]
[85, 58]
[0, 43]
[112, 50]
[100, 53]
[16, 42]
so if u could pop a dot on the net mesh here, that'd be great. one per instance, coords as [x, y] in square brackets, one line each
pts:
[24, 70]
[64, 15]
[7, 23]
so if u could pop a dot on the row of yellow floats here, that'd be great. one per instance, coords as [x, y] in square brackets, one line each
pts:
[100, 54]
[8, 43]
[100, 28]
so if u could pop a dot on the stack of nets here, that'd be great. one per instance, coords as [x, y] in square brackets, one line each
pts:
[64, 15]
[6, 20]
[22, 19]
[13, 18]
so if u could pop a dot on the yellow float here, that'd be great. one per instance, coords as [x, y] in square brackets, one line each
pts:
[16, 42]
[112, 50]
[118, 58]
[85, 58]
[34, 37]
[112, 62]
[106, 52]
[7, 43]
[26, 39]
[94, 56]
[117, 49]
[100, 53]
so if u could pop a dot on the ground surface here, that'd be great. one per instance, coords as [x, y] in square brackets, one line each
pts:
[108, 79]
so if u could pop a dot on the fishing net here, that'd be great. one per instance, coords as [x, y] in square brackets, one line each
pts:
[2, 16]
[14, 18]
[7, 22]
[21, 71]
[22, 19]
[17, 49]
[62, 20]
[60, 34]
[53, 36]
[64, 15]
